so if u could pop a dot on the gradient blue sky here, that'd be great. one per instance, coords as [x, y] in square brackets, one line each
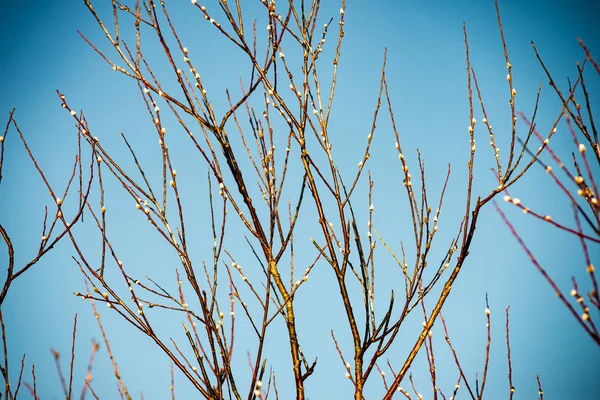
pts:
[42, 52]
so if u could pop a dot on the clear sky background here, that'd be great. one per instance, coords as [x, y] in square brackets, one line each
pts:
[42, 52]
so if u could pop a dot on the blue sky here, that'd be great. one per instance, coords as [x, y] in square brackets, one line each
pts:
[426, 74]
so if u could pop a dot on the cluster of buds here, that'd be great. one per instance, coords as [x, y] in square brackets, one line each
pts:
[239, 268]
